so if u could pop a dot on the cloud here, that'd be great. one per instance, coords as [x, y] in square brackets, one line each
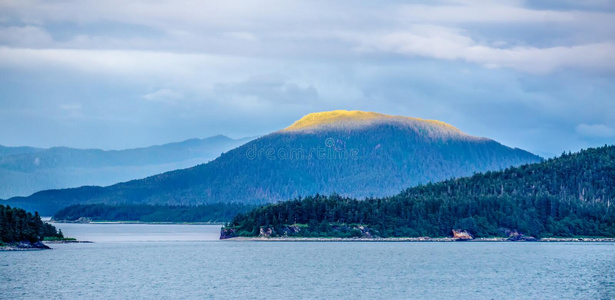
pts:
[262, 92]
[70, 107]
[551, 38]
[482, 12]
[25, 36]
[131, 65]
[245, 36]
[248, 68]
[451, 44]
[164, 95]
[595, 130]
[70, 111]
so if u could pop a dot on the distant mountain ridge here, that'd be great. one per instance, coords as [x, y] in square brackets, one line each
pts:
[354, 154]
[25, 170]
[18, 150]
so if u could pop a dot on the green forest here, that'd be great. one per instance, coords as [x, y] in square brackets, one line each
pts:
[567, 196]
[390, 157]
[17, 225]
[213, 213]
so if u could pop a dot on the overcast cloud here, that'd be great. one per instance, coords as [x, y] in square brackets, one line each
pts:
[538, 75]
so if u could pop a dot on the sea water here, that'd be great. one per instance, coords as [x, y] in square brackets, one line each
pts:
[136, 261]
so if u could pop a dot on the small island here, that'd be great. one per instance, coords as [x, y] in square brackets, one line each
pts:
[21, 230]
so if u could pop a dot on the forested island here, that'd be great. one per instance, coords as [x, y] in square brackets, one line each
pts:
[567, 196]
[213, 213]
[21, 229]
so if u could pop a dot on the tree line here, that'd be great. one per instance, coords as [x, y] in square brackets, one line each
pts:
[17, 225]
[219, 212]
[566, 196]
[390, 158]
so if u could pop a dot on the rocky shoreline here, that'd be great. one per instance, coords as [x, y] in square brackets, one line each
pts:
[28, 246]
[365, 235]
[90, 221]
[417, 239]
[67, 242]
[24, 246]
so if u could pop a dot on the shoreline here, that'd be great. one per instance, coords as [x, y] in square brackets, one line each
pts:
[137, 222]
[416, 240]
[40, 245]
[24, 246]
[13, 248]
[67, 242]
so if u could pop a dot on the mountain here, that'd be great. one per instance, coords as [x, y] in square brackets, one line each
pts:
[564, 197]
[17, 150]
[25, 170]
[352, 153]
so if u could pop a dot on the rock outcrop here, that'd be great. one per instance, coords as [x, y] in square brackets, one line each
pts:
[227, 233]
[24, 245]
[462, 235]
[516, 236]
[265, 232]
[291, 230]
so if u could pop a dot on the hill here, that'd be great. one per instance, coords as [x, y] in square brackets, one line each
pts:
[354, 154]
[25, 170]
[565, 197]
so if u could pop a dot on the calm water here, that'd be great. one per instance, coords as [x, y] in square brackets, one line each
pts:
[187, 261]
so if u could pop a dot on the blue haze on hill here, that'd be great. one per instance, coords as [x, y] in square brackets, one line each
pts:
[26, 170]
[354, 154]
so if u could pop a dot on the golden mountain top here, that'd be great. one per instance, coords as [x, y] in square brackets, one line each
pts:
[343, 118]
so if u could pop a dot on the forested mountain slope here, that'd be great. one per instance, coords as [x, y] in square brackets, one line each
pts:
[570, 195]
[355, 154]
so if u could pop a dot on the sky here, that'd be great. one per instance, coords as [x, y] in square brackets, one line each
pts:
[537, 75]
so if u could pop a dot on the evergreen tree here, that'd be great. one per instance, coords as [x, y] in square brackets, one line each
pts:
[566, 196]
[18, 225]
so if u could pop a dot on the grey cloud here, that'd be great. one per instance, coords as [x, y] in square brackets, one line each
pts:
[163, 95]
[25, 36]
[266, 89]
[595, 130]
[451, 44]
[303, 28]
[142, 72]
